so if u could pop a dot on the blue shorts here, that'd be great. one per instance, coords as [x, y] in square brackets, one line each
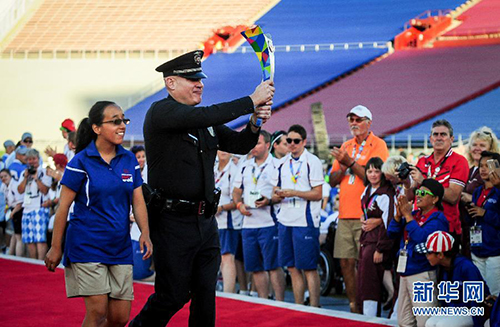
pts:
[229, 240]
[260, 248]
[298, 247]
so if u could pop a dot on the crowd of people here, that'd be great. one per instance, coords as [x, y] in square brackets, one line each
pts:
[399, 223]
[269, 213]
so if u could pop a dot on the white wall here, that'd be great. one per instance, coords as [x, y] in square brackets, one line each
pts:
[37, 95]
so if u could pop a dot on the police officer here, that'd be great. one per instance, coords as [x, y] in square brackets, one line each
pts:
[181, 144]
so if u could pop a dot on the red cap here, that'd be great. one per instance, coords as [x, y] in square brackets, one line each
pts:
[60, 159]
[68, 125]
[439, 242]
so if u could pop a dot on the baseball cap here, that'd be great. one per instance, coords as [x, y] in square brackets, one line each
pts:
[439, 241]
[26, 135]
[361, 111]
[60, 159]
[8, 143]
[67, 125]
[22, 150]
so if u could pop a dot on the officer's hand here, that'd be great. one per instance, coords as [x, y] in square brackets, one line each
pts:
[263, 93]
[145, 241]
[53, 258]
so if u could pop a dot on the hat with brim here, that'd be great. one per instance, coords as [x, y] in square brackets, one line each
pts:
[436, 188]
[8, 143]
[187, 65]
[361, 111]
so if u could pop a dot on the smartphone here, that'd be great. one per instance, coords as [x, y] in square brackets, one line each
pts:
[493, 165]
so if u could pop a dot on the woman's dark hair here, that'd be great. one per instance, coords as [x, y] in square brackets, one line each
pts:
[85, 134]
[488, 154]
[376, 163]
[5, 170]
[137, 148]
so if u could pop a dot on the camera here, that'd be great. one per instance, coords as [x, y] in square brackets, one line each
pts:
[32, 170]
[404, 170]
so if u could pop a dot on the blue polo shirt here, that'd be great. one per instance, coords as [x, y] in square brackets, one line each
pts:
[99, 227]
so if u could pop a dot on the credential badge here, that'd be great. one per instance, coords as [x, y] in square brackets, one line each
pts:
[197, 57]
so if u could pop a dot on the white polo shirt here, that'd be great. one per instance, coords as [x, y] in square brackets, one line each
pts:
[223, 179]
[33, 197]
[255, 181]
[308, 173]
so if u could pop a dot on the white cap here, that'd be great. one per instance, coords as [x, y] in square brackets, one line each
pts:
[361, 111]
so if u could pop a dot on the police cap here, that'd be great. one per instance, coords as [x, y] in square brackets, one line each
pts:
[187, 65]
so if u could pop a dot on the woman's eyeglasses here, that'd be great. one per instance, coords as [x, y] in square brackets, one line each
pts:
[118, 121]
[423, 193]
[290, 140]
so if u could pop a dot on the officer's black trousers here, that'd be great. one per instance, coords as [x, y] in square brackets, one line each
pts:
[187, 258]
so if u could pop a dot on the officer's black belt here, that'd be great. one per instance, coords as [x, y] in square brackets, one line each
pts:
[185, 206]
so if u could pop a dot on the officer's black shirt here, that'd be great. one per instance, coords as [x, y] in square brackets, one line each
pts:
[181, 145]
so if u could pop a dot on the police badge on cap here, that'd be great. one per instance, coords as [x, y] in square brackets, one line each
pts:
[187, 65]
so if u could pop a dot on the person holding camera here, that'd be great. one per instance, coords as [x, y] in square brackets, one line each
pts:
[447, 167]
[484, 222]
[35, 184]
[181, 145]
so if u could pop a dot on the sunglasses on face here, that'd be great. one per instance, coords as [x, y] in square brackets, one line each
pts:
[355, 120]
[28, 141]
[423, 193]
[118, 121]
[289, 140]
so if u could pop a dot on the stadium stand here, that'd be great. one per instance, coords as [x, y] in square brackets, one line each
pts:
[94, 25]
[297, 23]
[482, 111]
[401, 90]
[482, 18]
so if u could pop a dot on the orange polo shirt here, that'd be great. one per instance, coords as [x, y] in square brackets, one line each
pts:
[350, 194]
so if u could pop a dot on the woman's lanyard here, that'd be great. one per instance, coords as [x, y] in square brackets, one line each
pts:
[370, 203]
[295, 176]
[256, 178]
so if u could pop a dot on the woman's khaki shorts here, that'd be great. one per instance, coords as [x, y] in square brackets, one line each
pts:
[94, 278]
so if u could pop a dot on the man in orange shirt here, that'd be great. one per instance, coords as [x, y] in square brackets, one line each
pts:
[348, 170]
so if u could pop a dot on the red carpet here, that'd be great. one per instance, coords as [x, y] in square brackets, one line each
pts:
[31, 296]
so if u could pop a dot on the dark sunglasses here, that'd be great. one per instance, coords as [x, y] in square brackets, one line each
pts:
[357, 120]
[423, 193]
[118, 121]
[289, 140]
[28, 141]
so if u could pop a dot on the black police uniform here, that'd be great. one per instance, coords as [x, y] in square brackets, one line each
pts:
[181, 146]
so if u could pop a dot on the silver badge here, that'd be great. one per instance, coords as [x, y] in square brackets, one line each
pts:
[197, 57]
[211, 131]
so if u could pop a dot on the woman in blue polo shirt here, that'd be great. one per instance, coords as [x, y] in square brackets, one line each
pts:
[413, 228]
[484, 219]
[103, 180]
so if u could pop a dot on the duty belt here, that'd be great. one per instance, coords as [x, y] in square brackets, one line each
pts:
[185, 206]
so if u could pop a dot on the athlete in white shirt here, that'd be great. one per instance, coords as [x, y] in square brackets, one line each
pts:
[252, 193]
[298, 185]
